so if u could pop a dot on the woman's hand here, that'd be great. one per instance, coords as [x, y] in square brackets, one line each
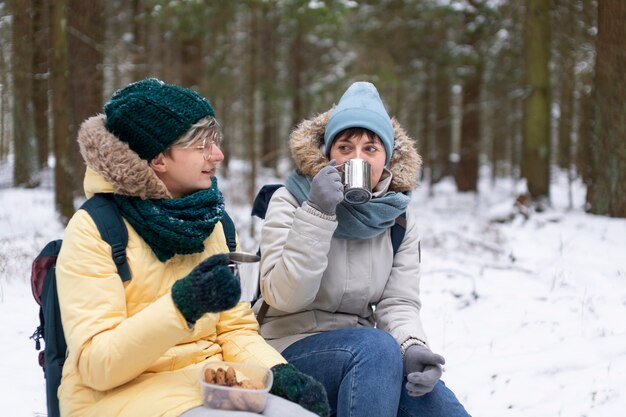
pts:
[423, 369]
[300, 388]
[326, 190]
[210, 288]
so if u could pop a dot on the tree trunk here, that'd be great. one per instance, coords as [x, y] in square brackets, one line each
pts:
[171, 57]
[85, 42]
[466, 173]
[517, 127]
[565, 43]
[584, 145]
[139, 48]
[426, 128]
[501, 113]
[4, 95]
[41, 32]
[23, 132]
[566, 104]
[535, 164]
[191, 62]
[442, 143]
[114, 33]
[585, 87]
[607, 193]
[297, 69]
[61, 106]
[251, 105]
[270, 149]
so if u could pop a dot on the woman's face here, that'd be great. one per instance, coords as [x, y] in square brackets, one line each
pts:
[360, 146]
[187, 170]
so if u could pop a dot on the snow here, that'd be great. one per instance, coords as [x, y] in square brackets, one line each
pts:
[528, 308]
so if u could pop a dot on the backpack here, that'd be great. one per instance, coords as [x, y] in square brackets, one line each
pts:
[43, 283]
[259, 209]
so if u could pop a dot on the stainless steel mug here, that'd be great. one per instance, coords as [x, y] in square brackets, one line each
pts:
[357, 181]
[245, 268]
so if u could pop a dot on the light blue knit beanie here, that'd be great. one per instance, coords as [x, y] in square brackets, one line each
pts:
[360, 106]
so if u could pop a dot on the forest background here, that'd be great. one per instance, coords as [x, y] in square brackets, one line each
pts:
[522, 88]
[518, 108]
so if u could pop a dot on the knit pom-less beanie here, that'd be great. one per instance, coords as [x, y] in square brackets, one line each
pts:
[149, 115]
[360, 106]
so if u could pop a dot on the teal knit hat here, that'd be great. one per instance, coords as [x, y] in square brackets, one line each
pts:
[149, 115]
[360, 106]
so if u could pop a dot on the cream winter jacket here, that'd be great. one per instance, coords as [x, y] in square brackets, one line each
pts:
[130, 351]
[314, 283]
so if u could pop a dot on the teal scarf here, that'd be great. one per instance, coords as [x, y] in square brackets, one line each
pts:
[356, 222]
[176, 226]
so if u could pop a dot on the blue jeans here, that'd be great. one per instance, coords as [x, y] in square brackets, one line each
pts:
[361, 369]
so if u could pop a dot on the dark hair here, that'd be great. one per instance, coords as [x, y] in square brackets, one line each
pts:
[356, 131]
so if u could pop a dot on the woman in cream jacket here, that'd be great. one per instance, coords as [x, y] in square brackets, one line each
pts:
[342, 307]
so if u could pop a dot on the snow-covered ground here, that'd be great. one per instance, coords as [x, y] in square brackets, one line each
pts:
[527, 308]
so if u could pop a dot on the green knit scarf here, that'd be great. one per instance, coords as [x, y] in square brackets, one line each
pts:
[176, 226]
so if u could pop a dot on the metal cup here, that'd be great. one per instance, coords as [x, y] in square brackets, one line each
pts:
[244, 267]
[357, 181]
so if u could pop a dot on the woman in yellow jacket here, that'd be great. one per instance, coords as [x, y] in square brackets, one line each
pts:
[137, 348]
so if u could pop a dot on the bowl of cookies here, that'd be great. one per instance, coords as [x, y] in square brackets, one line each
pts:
[235, 386]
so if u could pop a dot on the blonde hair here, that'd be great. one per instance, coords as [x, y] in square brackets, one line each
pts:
[207, 127]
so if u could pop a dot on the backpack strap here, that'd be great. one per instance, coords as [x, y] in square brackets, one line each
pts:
[397, 232]
[262, 199]
[260, 316]
[112, 229]
[229, 232]
[259, 209]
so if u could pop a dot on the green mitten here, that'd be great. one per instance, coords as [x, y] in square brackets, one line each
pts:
[210, 287]
[300, 388]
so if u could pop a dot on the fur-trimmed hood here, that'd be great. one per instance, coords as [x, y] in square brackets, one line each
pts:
[114, 162]
[306, 144]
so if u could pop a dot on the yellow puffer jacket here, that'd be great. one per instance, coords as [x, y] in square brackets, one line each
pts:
[130, 351]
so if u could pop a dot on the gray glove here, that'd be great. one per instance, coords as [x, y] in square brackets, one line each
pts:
[423, 369]
[326, 190]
